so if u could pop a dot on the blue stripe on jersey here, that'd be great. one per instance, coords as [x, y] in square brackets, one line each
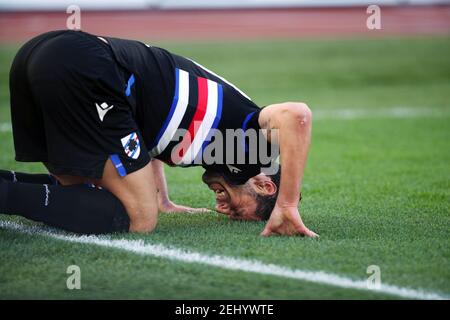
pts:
[172, 109]
[219, 106]
[118, 164]
[244, 128]
[129, 85]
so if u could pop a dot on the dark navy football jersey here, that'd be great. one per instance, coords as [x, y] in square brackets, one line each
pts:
[180, 106]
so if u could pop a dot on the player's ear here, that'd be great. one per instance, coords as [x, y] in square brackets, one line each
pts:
[264, 186]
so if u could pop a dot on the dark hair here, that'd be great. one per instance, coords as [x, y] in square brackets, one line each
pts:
[265, 204]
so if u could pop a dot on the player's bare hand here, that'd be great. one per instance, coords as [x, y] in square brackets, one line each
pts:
[169, 206]
[286, 221]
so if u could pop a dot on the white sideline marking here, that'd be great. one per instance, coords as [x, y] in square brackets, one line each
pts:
[224, 262]
[351, 114]
[395, 112]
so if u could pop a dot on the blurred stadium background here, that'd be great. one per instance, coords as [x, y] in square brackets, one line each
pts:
[377, 185]
[221, 19]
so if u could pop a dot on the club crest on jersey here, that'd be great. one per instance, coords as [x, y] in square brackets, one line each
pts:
[131, 145]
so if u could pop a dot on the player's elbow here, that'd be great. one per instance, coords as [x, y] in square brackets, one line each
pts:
[298, 112]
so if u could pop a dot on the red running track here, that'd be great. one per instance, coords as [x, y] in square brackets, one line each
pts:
[233, 24]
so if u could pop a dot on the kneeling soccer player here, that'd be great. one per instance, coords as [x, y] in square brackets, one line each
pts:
[103, 115]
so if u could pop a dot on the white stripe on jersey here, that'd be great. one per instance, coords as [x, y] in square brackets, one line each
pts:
[180, 110]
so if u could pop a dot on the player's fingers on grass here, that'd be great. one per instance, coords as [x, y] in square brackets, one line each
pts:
[305, 232]
[267, 233]
[183, 209]
[199, 210]
[313, 235]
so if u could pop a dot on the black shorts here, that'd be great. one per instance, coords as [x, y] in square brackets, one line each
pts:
[70, 107]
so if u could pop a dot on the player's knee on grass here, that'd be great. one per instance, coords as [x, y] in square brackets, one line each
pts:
[143, 226]
[143, 214]
[137, 193]
[134, 192]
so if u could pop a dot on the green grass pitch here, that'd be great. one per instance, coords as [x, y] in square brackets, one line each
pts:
[376, 188]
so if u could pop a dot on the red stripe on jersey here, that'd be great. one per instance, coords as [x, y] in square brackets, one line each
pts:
[198, 116]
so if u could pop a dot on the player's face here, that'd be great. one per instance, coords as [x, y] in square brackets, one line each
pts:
[237, 202]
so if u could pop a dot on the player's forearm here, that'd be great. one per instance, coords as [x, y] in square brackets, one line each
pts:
[160, 181]
[294, 141]
[164, 203]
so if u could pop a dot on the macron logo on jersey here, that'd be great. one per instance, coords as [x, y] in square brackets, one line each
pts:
[233, 169]
[103, 109]
[206, 97]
